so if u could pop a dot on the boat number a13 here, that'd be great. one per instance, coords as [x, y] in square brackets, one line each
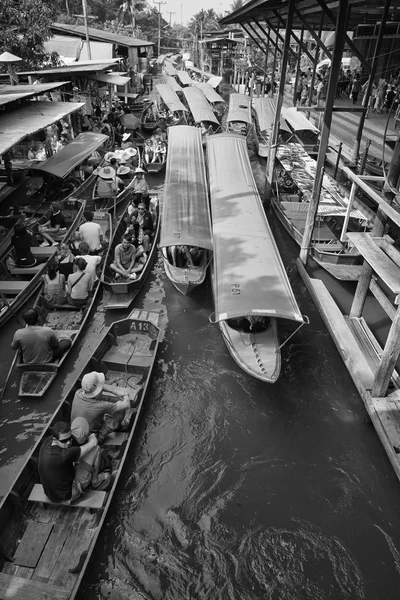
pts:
[140, 325]
[235, 289]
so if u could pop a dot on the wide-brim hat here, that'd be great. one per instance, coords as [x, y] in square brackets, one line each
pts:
[122, 170]
[126, 136]
[108, 156]
[139, 170]
[92, 384]
[131, 152]
[107, 173]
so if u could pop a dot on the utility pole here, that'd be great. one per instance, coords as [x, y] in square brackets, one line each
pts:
[87, 29]
[159, 2]
[170, 14]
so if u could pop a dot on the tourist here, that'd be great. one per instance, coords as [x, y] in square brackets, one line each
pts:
[37, 343]
[102, 415]
[79, 285]
[54, 227]
[22, 242]
[87, 473]
[91, 233]
[355, 89]
[92, 260]
[54, 286]
[56, 463]
[138, 187]
[380, 96]
[126, 141]
[125, 256]
[108, 184]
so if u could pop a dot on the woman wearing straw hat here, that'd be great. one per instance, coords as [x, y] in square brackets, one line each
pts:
[126, 141]
[108, 183]
[139, 188]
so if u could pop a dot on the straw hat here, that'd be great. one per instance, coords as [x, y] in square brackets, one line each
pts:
[109, 156]
[131, 151]
[107, 173]
[139, 170]
[126, 136]
[122, 170]
[92, 383]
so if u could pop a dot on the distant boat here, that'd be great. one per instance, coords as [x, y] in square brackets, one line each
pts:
[176, 111]
[301, 130]
[239, 119]
[265, 110]
[185, 220]
[252, 291]
[200, 109]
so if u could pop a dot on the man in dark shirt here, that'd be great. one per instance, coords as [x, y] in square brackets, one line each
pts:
[54, 227]
[57, 458]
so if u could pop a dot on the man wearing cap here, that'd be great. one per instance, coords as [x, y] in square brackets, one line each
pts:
[88, 403]
[38, 344]
[91, 233]
[138, 187]
[56, 464]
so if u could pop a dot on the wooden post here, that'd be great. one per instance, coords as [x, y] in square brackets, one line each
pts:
[353, 191]
[310, 220]
[312, 82]
[364, 158]
[298, 68]
[389, 358]
[339, 154]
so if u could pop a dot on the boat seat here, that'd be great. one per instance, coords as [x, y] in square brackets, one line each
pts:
[12, 288]
[91, 499]
[328, 247]
[45, 252]
[30, 589]
[115, 438]
[26, 270]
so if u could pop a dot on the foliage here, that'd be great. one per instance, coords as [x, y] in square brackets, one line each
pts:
[205, 20]
[24, 27]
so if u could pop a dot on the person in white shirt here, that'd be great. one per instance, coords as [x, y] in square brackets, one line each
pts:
[92, 260]
[91, 233]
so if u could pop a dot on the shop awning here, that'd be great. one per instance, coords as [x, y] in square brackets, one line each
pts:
[113, 78]
[170, 98]
[11, 93]
[31, 118]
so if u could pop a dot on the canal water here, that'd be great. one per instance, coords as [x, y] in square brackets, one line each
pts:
[235, 489]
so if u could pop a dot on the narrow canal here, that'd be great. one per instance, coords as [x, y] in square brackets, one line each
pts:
[236, 489]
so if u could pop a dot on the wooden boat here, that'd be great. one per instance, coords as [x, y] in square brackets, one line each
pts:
[46, 548]
[218, 104]
[185, 219]
[155, 167]
[18, 284]
[149, 115]
[67, 321]
[295, 176]
[265, 112]
[239, 118]
[170, 107]
[120, 294]
[301, 130]
[35, 205]
[201, 110]
[249, 277]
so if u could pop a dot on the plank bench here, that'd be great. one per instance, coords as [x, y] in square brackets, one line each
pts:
[91, 498]
[26, 270]
[12, 288]
[46, 252]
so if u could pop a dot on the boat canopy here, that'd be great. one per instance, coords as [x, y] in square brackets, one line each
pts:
[266, 111]
[170, 98]
[73, 154]
[239, 108]
[185, 214]
[168, 68]
[171, 81]
[184, 78]
[250, 277]
[215, 80]
[209, 92]
[297, 121]
[199, 106]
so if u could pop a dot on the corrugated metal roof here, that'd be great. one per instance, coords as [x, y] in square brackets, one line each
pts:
[99, 35]
[29, 119]
[11, 93]
[73, 68]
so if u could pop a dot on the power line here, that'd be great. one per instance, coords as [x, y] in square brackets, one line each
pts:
[159, 2]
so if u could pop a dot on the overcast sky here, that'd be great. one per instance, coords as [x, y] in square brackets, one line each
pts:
[185, 9]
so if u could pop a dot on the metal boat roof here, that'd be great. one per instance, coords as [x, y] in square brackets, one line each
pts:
[209, 92]
[239, 108]
[72, 154]
[171, 81]
[185, 217]
[170, 98]
[250, 277]
[184, 77]
[297, 121]
[199, 106]
[31, 118]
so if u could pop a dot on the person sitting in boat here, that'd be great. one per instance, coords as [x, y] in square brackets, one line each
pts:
[139, 188]
[126, 141]
[161, 131]
[125, 259]
[91, 233]
[22, 242]
[108, 184]
[56, 463]
[92, 261]
[148, 151]
[54, 286]
[250, 324]
[38, 344]
[86, 474]
[179, 256]
[54, 227]
[65, 259]
[74, 241]
[136, 234]
[103, 416]
[79, 285]
[124, 172]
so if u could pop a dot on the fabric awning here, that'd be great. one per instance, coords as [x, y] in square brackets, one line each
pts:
[170, 98]
[209, 92]
[297, 121]
[113, 78]
[199, 106]
[184, 78]
[250, 277]
[215, 80]
[31, 118]
[171, 81]
[239, 108]
[72, 154]
[185, 217]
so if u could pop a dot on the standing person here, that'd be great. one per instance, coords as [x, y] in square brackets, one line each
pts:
[22, 242]
[355, 89]
[91, 233]
[79, 285]
[53, 227]
[38, 344]
[299, 89]
[56, 464]
[125, 259]
[319, 87]
[380, 96]
[7, 159]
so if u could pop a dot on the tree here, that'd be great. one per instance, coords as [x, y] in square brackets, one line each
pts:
[25, 26]
[205, 20]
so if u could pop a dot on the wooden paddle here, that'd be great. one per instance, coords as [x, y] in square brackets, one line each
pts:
[6, 302]
[3, 389]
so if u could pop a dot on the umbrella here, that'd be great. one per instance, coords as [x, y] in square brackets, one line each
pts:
[130, 121]
[7, 57]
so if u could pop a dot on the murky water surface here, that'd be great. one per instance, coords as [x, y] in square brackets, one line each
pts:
[234, 489]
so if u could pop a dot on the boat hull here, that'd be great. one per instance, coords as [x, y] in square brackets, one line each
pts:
[183, 279]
